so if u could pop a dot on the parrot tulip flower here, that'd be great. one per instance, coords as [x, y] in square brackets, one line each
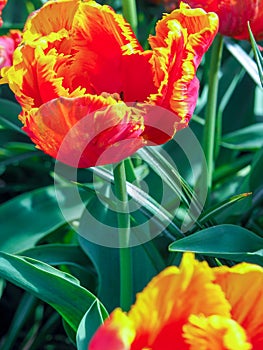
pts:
[2, 5]
[191, 307]
[88, 89]
[234, 15]
[8, 44]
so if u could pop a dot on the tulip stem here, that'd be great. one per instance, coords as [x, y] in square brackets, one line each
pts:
[130, 13]
[126, 288]
[211, 108]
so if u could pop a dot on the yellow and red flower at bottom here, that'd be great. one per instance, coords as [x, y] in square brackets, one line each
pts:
[191, 307]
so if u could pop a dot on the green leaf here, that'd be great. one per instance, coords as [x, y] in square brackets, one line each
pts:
[160, 214]
[255, 179]
[9, 111]
[27, 303]
[106, 261]
[257, 53]
[54, 287]
[213, 211]
[92, 319]
[223, 241]
[246, 139]
[37, 214]
[70, 255]
[244, 59]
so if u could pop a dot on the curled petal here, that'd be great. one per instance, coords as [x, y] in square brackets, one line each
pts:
[165, 304]
[86, 131]
[243, 287]
[215, 332]
[181, 39]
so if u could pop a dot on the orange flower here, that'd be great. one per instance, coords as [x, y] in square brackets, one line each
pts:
[191, 307]
[8, 43]
[2, 5]
[234, 15]
[88, 89]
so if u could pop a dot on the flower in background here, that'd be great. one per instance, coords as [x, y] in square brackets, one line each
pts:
[2, 5]
[234, 15]
[86, 86]
[8, 43]
[191, 307]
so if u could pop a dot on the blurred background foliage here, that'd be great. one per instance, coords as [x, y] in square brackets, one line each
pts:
[33, 227]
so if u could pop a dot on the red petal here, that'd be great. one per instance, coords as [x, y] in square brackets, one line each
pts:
[86, 131]
[181, 40]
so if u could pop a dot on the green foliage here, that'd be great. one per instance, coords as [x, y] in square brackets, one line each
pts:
[55, 283]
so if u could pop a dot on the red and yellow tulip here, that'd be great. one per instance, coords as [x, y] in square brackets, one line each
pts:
[234, 15]
[87, 88]
[191, 307]
[8, 44]
[2, 5]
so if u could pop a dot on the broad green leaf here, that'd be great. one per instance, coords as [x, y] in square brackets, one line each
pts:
[54, 287]
[36, 214]
[106, 261]
[249, 138]
[92, 319]
[223, 241]
[70, 255]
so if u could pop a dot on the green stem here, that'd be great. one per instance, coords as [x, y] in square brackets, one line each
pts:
[130, 13]
[211, 108]
[126, 288]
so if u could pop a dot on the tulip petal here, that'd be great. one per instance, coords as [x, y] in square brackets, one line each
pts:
[100, 34]
[2, 5]
[86, 131]
[243, 287]
[117, 333]
[234, 16]
[215, 332]
[257, 23]
[166, 303]
[181, 39]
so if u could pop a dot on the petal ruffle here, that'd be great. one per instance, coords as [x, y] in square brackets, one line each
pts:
[243, 287]
[215, 332]
[180, 42]
[165, 305]
[86, 131]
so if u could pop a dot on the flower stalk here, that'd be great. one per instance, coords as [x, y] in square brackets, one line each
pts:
[126, 290]
[211, 109]
[130, 13]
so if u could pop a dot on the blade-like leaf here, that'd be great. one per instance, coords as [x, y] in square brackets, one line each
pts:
[223, 241]
[244, 59]
[257, 54]
[93, 318]
[36, 214]
[212, 212]
[246, 139]
[54, 287]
